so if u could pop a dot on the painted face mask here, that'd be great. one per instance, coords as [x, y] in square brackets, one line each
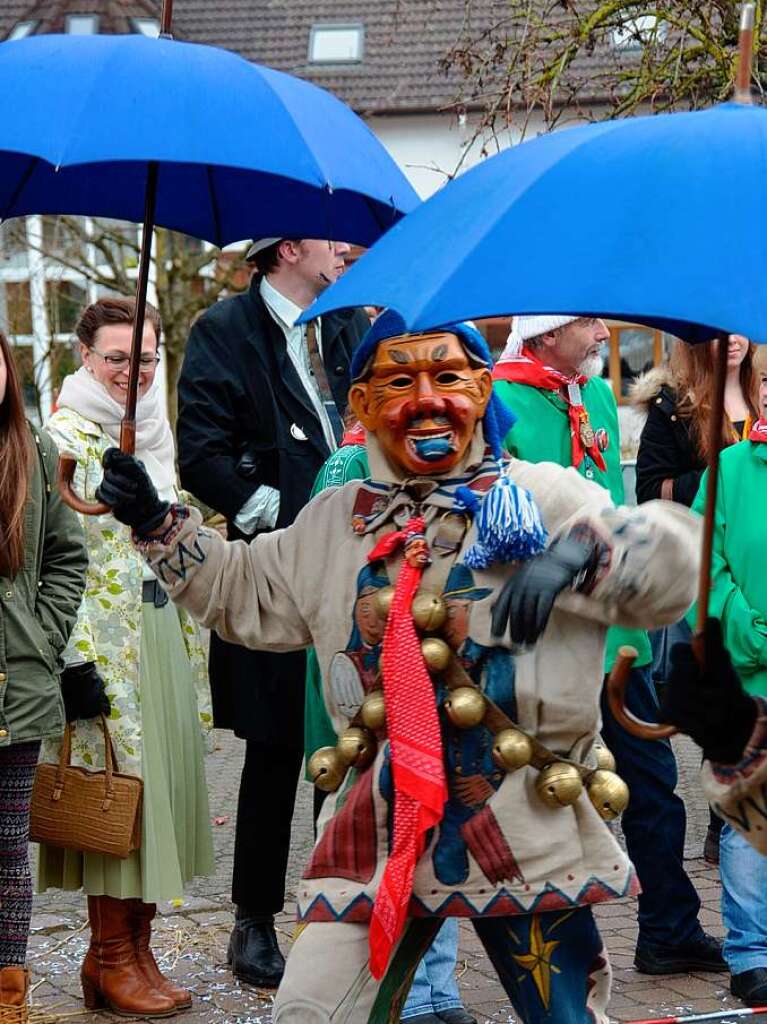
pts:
[422, 398]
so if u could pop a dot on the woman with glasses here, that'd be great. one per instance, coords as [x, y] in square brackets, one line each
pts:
[154, 668]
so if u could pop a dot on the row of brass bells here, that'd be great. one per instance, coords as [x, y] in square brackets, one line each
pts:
[512, 749]
[559, 784]
[428, 608]
[608, 793]
[465, 707]
[327, 767]
[604, 758]
[373, 711]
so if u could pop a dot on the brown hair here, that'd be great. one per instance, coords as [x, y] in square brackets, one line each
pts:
[15, 468]
[693, 369]
[268, 259]
[104, 312]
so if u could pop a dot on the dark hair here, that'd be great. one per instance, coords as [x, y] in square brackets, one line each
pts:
[268, 259]
[693, 369]
[15, 467]
[104, 312]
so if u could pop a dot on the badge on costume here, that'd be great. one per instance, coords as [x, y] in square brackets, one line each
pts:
[602, 438]
[587, 434]
[574, 394]
[297, 432]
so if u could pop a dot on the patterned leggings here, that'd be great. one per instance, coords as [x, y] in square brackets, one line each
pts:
[17, 772]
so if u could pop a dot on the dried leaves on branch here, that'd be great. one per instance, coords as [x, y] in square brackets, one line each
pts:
[565, 59]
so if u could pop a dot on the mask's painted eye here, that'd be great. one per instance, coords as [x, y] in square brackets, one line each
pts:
[401, 382]
[447, 377]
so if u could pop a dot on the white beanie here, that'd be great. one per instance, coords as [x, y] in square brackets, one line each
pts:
[525, 327]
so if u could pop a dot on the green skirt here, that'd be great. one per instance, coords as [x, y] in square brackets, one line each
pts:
[176, 840]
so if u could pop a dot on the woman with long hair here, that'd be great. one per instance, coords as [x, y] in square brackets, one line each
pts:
[674, 450]
[154, 667]
[42, 576]
[678, 400]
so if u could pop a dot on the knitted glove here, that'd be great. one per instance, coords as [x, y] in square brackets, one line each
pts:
[526, 600]
[83, 691]
[708, 703]
[130, 493]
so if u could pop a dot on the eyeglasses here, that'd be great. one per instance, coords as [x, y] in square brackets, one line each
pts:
[120, 361]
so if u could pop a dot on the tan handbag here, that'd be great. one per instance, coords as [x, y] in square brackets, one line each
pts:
[90, 811]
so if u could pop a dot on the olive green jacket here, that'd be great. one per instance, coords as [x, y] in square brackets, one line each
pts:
[38, 608]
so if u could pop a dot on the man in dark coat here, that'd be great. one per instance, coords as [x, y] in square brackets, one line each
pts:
[260, 406]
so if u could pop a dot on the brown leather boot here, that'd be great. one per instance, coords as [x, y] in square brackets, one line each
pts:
[143, 915]
[111, 974]
[14, 985]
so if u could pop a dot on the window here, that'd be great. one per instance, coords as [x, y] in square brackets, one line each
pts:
[65, 300]
[82, 24]
[13, 244]
[17, 313]
[22, 30]
[146, 26]
[336, 44]
[64, 237]
[636, 33]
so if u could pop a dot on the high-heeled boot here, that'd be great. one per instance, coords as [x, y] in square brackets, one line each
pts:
[111, 974]
[143, 915]
[14, 985]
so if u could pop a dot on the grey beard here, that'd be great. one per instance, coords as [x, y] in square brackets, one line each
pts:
[592, 366]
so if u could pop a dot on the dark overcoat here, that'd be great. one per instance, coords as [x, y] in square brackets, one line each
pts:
[245, 419]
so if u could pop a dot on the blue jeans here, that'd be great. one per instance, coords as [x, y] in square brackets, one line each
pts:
[654, 822]
[434, 987]
[744, 902]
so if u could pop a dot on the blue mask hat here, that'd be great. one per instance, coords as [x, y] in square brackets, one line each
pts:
[508, 521]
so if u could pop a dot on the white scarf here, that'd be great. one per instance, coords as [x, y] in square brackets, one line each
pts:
[154, 439]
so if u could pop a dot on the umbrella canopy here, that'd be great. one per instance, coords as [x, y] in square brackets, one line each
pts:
[243, 151]
[658, 220]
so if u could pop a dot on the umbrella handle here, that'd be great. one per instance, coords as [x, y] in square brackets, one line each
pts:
[616, 698]
[67, 466]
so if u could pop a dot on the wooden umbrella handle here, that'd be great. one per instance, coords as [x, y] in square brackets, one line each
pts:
[616, 698]
[67, 466]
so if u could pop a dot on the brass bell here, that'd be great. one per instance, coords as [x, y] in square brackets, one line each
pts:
[465, 707]
[429, 610]
[436, 654]
[559, 785]
[608, 793]
[373, 711]
[326, 769]
[356, 747]
[604, 758]
[512, 750]
[382, 601]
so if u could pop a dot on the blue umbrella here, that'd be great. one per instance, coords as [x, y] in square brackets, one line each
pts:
[242, 151]
[189, 137]
[657, 220]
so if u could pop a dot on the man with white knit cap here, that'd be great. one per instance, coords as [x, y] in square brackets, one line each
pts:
[550, 375]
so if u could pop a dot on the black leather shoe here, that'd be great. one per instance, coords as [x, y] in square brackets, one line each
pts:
[456, 1016]
[750, 986]
[703, 954]
[254, 955]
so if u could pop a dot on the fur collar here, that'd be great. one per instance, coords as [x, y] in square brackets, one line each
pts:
[646, 387]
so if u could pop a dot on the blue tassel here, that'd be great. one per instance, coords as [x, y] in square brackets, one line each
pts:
[509, 526]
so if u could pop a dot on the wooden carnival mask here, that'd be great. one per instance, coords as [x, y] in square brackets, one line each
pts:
[422, 398]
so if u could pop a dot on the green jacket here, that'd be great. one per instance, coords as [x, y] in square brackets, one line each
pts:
[542, 434]
[38, 608]
[345, 464]
[739, 561]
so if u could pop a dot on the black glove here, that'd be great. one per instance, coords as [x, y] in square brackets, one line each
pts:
[708, 703]
[83, 691]
[129, 492]
[526, 600]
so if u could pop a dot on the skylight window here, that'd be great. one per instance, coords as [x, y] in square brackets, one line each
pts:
[336, 44]
[82, 24]
[639, 32]
[146, 26]
[22, 30]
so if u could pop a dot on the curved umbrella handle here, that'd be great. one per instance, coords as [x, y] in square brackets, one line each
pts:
[616, 698]
[67, 466]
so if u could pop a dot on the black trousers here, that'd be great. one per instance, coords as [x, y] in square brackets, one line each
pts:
[264, 814]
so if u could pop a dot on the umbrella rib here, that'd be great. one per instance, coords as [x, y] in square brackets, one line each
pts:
[33, 161]
[213, 204]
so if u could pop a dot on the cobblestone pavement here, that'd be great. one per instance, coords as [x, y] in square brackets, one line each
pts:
[191, 939]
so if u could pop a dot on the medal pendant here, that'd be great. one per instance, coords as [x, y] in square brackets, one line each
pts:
[574, 394]
[587, 434]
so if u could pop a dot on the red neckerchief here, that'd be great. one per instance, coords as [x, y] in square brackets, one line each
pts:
[412, 722]
[759, 430]
[354, 435]
[527, 368]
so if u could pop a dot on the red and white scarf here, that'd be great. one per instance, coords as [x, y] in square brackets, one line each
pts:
[527, 368]
[758, 431]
